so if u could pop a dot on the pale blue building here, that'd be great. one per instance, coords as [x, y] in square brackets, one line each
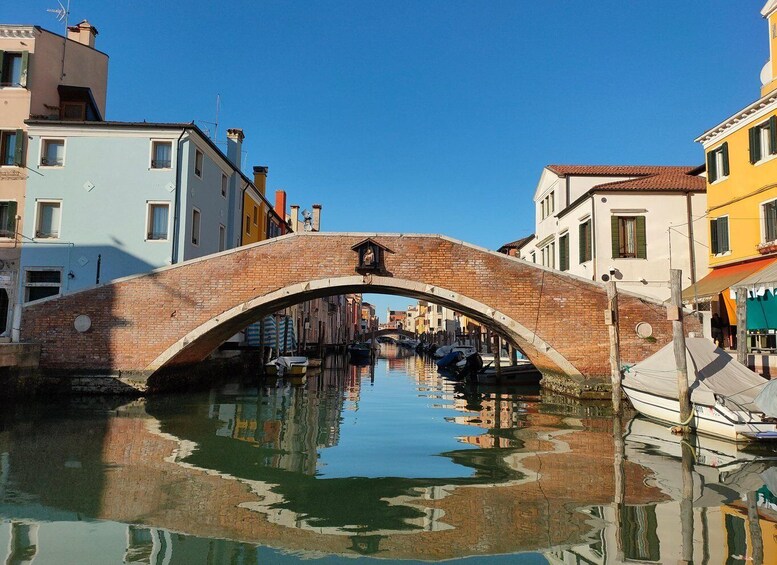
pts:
[106, 200]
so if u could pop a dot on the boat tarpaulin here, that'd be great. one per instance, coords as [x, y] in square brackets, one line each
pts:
[277, 329]
[712, 373]
[767, 399]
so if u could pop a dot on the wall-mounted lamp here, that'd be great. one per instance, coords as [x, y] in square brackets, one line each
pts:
[71, 275]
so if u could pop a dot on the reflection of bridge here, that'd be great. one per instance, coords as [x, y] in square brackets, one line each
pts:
[176, 316]
[394, 331]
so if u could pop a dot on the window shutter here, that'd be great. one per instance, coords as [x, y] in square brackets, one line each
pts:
[769, 217]
[2, 60]
[714, 236]
[724, 149]
[581, 241]
[616, 247]
[10, 226]
[723, 235]
[773, 135]
[712, 173]
[755, 146]
[18, 157]
[563, 252]
[25, 65]
[641, 239]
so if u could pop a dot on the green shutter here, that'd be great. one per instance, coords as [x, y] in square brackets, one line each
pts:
[712, 173]
[724, 150]
[10, 225]
[714, 237]
[18, 158]
[755, 146]
[563, 252]
[581, 242]
[25, 65]
[2, 60]
[773, 135]
[723, 235]
[616, 246]
[641, 239]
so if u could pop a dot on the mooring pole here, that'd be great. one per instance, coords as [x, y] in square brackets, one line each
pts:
[497, 357]
[675, 314]
[686, 504]
[611, 319]
[742, 325]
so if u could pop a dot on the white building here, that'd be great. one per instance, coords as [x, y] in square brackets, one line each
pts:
[627, 222]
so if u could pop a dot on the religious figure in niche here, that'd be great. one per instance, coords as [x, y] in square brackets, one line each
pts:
[368, 260]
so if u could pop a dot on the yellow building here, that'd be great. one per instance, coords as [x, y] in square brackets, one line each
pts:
[741, 159]
[261, 220]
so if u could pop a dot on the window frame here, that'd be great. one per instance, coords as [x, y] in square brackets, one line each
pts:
[44, 143]
[196, 222]
[198, 169]
[149, 217]
[23, 62]
[39, 202]
[587, 251]
[222, 237]
[152, 155]
[563, 258]
[714, 242]
[15, 219]
[28, 285]
[764, 221]
[224, 185]
[619, 231]
[763, 141]
[17, 158]
[718, 163]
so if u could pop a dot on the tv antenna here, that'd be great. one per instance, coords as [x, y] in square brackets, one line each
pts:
[61, 13]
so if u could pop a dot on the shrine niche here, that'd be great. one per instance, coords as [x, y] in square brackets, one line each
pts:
[371, 257]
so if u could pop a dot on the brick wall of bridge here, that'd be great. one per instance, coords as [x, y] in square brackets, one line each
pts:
[136, 320]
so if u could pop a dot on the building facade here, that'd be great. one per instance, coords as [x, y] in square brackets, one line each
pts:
[631, 223]
[44, 76]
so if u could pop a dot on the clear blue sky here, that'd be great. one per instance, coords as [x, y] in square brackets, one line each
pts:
[429, 116]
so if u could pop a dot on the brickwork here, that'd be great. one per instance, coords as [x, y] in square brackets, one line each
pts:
[178, 315]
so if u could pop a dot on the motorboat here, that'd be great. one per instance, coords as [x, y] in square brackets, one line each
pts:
[359, 352]
[522, 373]
[728, 399]
[287, 366]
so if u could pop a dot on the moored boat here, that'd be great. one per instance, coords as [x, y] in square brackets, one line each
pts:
[727, 398]
[287, 366]
[523, 373]
[359, 353]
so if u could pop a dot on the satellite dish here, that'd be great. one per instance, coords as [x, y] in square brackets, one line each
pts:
[307, 214]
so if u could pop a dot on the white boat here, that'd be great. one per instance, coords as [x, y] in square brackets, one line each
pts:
[287, 366]
[727, 398]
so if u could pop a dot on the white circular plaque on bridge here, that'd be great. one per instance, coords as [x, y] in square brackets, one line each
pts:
[644, 330]
[82, 323]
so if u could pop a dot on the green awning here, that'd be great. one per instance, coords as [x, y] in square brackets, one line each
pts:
[762, 312]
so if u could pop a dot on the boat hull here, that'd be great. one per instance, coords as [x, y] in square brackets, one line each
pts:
[715, 421]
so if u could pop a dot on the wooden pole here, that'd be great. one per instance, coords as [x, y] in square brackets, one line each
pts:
[619, 497]
[261, 345]
[754, 526]
[675, 314]
[742, 325]
[686, 505]
[497, 357]
[611, 319]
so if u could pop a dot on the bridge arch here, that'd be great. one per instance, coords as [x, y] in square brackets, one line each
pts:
[176, 315]
[394, 331]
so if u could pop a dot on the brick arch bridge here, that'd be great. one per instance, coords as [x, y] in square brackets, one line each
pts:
[176, 316]
[390, 331]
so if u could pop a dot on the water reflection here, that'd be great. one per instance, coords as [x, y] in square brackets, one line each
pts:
[390, 461]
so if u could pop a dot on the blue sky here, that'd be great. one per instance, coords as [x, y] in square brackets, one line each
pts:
[429, 116]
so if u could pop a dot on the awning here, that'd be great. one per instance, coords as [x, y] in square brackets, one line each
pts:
[722, 278]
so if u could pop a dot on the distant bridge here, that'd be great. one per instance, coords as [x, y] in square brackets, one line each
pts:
[176, 316]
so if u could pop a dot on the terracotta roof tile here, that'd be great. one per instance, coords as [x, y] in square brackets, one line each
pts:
[662, 181]
[518, 243]
[617, 170]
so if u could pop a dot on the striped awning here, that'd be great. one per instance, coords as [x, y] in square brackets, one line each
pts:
[278, 332]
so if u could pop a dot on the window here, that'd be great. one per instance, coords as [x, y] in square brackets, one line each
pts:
[41, 283]
[195, 226]
[198, 163]
[13, 68]
[158, 221]
[548, 254]
[222, 237]
[628, 237]
[256, 216]
[719, 235]
[224, 185]
[547, 206]
[53, 153]
[73, 111]
[770, 220]
[11, 144]
[8, 219]
[763, 140]
[717, 163]
[248, 224]
[585, 246]
[273, 229]
[161, 154]
[533, 257]
[48, 219]
[563, 252]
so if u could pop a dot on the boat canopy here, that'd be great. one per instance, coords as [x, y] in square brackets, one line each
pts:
[712, 375]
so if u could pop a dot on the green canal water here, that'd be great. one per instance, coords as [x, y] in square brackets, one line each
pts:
[359, 464]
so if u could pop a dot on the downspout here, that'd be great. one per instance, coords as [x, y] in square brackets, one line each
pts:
[593, 235]
[176, 212]
[242, 211]
[691, 246]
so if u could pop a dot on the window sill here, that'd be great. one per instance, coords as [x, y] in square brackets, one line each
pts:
[724, 254]
[771, 157]
[42, 166]
[719, 180]
[156, 240]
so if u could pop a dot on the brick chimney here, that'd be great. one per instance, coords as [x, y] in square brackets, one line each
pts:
[235, 139]
[316, 217]
[83, 33]
[280, 206]
[294, 218]
[260, 179]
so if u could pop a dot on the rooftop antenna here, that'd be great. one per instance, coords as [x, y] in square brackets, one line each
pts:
[62, 14]
[216, 123]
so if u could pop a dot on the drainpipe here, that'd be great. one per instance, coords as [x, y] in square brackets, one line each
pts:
[241, 227]
[176, 212]
[593, 234]
[691, 246]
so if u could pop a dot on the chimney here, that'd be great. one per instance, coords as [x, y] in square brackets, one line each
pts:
[316, 217]
[260, 179]
[83, 33]
[235, 139]
[280, 206]
[294, 218]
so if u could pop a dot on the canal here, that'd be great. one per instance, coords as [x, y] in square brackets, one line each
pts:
[391, 462]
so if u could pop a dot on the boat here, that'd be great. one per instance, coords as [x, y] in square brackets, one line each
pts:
[523, 373]
[287, 366]
[727, 398]
[449, 360]
[359, 352]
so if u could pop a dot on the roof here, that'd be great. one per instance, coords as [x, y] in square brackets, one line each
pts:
[667, 180]
[617, 170]
[518, 243]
